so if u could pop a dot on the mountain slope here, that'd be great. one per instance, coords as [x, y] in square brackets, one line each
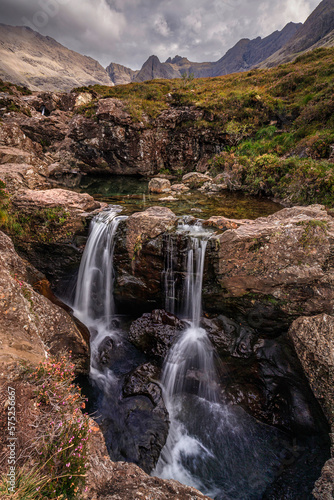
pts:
[247, 53]
[41, 63]
[315, 32]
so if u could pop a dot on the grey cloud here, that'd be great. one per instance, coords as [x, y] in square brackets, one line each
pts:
[129, 31]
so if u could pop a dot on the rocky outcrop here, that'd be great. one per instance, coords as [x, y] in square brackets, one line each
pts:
[117, 144]
[54, 225]
[274, 269]
[30, 325]
[266, 272]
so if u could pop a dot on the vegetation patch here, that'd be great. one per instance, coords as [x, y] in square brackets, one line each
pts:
[53, 436]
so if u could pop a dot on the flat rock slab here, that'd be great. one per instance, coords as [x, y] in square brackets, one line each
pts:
[30, 200]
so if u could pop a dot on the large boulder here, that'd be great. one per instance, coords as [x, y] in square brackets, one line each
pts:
[31, 325]
[139, 257]
[274, 269]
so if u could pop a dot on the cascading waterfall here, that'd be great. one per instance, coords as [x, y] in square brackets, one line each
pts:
[209, 445]
[94, 299]
[219, 449]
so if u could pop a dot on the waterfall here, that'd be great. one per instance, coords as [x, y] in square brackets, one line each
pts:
[94, 299]
[189, 366]
[210, 446]
[169, 276]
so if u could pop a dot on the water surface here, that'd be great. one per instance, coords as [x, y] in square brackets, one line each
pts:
[132, 194]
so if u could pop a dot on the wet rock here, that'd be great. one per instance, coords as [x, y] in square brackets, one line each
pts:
[195, 179]
[30, 325]
[230, 337]
[105, 349]
[158, 185]
[313, 339]
[155, 423]
[154, 333]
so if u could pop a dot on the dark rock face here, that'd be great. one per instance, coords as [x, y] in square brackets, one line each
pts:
[154, 333]
[115, 144]
[144, 396]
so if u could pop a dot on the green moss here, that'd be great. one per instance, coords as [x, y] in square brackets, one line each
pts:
[314, 232]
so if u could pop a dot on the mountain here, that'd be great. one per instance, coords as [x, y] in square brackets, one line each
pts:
[153, 68]
[317, 31]
[41, 63]
[243, 56]
[120, 74]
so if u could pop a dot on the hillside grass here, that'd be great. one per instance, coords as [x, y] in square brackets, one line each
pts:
[283, 112]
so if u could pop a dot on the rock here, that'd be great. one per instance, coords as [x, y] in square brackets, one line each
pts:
[107, 480]
[158, 185]
[154, 333]
[274, 268]
[29, 200]
[313, 339]
[146, 225]
[168, 198]
[179, 188]
[150, 428]
[54, 222]
[324, 487]
[224, 224]
[30, 325]
[195, 179]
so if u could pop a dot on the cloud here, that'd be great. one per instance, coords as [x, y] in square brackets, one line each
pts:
[129, 31]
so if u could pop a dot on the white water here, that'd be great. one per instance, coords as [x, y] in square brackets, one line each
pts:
[210, 446]
[94, 299]
[189, 365]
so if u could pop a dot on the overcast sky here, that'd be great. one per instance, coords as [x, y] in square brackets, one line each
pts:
[129, 31]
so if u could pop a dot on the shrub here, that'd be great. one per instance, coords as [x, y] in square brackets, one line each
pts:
[58, 454]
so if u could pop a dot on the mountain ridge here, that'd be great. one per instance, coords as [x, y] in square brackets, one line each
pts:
[40, 62]
[243, 56]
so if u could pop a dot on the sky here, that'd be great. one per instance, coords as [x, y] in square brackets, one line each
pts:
[129, 31]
